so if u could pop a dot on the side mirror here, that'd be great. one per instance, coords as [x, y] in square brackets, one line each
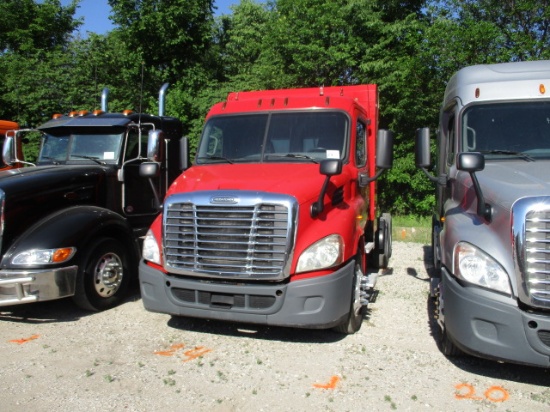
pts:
[330, 167]
[473, 162]
[8, 151]
[384, 149]
[154, 145]
[422, 148]
[149, 169]
[470, 162]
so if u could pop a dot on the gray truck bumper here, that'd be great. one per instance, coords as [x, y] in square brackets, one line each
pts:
[24, 286]
[320, 302]
[482, 325]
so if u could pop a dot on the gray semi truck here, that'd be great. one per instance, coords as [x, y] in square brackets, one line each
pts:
[491, 224]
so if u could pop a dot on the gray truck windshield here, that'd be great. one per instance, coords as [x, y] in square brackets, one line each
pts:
[274, 137]
[102, 148]
[508, 130]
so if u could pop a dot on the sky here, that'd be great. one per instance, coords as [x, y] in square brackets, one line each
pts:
[96, 14]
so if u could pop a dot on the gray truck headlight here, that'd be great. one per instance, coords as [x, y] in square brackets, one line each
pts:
[475, 266]
[151, 251]
[323, 254]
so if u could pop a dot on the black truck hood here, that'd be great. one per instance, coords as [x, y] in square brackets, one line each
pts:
[33, 193]
[37, 182]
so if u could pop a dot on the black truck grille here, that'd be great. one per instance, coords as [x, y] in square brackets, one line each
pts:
[247, 240]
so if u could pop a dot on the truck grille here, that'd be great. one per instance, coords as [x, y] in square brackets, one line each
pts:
[247, 239]
[532, 235]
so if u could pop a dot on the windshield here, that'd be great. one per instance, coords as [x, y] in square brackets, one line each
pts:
[101, 148]
[508, 130]
[274, 137]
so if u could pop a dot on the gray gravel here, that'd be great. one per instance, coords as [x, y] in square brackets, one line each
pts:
[130, 359]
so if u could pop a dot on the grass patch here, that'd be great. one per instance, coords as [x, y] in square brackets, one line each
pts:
[416, 229]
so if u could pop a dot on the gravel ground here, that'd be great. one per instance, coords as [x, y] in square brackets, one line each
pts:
[57, 357]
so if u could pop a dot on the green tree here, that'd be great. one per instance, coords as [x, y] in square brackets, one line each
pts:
[27, 26]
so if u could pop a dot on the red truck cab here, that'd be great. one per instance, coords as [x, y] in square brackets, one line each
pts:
[276, 220]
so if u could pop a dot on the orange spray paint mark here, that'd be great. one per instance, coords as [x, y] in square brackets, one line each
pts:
[331, 385]
[170, 352]
[195, 353]
[497, 394]
[493, 394]
[24, 340]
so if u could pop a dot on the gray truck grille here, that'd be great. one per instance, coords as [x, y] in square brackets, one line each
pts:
[247, 240]
[537, 254]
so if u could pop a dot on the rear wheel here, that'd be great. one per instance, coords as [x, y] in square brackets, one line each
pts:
[356, 312]
[103, 276]
[380, 256]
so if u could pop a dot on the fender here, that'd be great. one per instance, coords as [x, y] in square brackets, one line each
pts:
[74, 226]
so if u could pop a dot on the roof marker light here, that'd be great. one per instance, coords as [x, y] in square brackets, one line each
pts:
[127, 112]
[73, 113]
[57, 116]
[83, 113]
[542, 89]
[97, 112]
[477, 92]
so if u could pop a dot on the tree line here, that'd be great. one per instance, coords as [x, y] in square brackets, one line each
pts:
[409, 48]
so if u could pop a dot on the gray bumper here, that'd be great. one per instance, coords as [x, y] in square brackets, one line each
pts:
[485, 324]
[320, 302]
[24, 286]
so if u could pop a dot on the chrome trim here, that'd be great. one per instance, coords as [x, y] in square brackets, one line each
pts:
[252, 239]
[531, 237]
[24, 286]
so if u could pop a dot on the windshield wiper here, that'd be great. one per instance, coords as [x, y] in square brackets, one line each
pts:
[215, 158]
[95, 159]
[510, 153]
[292, 156]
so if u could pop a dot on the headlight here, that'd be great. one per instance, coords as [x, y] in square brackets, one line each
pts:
[323, 254]
[151, 250]
[43, 256]
[475, 266]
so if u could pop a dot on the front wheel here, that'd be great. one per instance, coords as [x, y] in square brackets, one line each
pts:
[103, 276]
[356, 312]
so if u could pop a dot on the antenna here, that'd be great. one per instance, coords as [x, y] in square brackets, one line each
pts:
[141, 92]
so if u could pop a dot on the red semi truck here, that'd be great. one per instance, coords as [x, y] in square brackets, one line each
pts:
[276, 222]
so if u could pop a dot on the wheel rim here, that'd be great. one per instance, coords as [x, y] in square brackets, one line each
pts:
[108, 273]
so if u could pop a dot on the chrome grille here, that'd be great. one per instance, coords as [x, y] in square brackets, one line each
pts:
[531, 233]
[537, 253]
[250, 239]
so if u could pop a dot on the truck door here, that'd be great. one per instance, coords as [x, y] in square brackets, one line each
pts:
[446, 156]
[138, 196]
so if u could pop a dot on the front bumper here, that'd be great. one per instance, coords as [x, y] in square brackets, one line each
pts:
[320, 302]
[24, 286]
[485, 324]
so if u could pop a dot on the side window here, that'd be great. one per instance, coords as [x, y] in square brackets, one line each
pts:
[450, 137]
[360, 144]
[135, 148]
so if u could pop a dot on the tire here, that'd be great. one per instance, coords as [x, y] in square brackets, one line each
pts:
[356, 313]
[436, 251]
[103, 276]
[383, 247]
[448, 347]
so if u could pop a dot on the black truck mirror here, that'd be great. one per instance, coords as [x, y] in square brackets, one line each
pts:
[422, 148]
[470, 162]
[384, 149]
